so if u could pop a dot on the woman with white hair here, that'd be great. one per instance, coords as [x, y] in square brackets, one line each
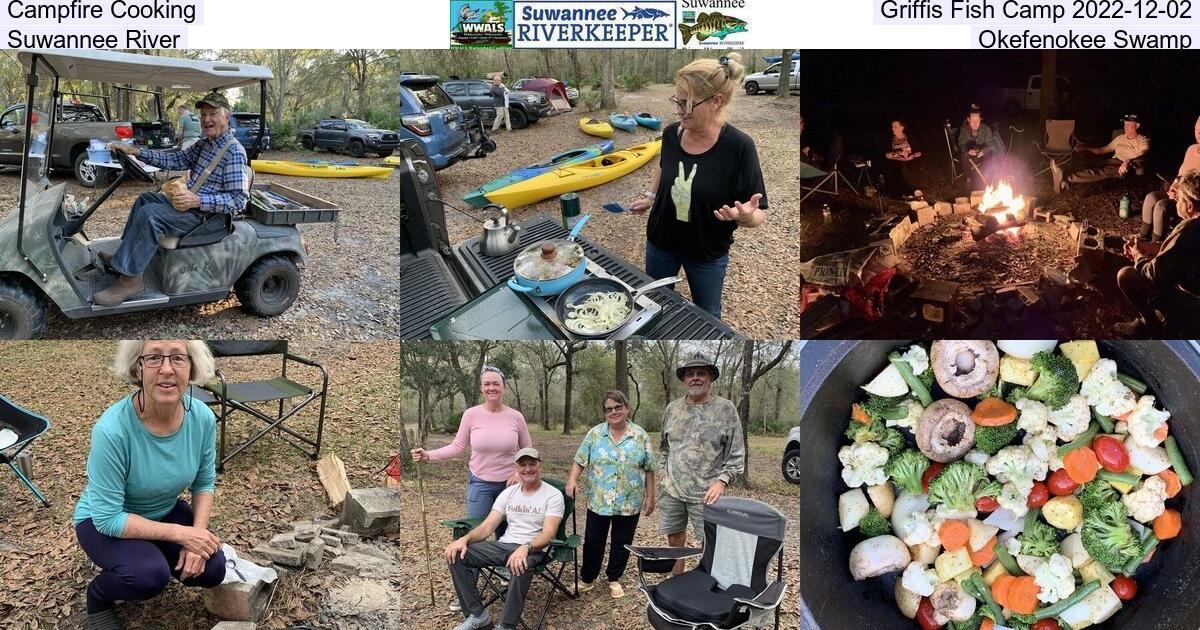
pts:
[1158, 208]
[146, 449]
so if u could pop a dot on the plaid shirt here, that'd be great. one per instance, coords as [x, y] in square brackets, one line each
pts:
[227, 189]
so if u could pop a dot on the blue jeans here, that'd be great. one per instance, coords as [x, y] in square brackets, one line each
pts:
[152, 216]
[480, 497]
[705, 279]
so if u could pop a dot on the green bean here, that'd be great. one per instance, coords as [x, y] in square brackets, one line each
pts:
[984, 594]
[895, 413]
[914, 383]
[1006, 559]
[1082, 440]
[1177, 461]
[1148, 545]
[1106, 423]
[1072, 599]
[1132, 383]
[1031, 517]
[1116, 477]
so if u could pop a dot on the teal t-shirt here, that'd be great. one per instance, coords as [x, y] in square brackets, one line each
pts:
[190, 125]
[133, 471]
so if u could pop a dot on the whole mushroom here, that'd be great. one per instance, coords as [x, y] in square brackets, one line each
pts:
[965, 367]
[878, 555]
[946, 431]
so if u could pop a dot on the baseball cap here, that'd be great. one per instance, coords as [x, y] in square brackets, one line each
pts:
[528, 451]
[214, 99]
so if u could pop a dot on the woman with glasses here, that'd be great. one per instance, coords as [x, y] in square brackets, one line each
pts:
[146, 449]
[619, 461]
[494, 432]
[707, 183]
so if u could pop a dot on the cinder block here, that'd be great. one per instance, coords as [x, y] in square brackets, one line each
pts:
[239, 601]
[372, 511]
[926, 215]
[943, 208]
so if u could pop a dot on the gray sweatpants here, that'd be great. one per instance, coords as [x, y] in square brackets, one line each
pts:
[492, 554]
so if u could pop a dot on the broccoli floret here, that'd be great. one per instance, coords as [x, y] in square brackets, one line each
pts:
[1016, 394]
[1095, 494]
[877, 432]
[997, 391]
[1057, 380]
[906, 469]
[959, 484]
[926, 378]
[892, 440]
[1039, 540]
[1021, 622]
[973, 623]
[858, 432]
[885, 408]
[874, 524]
[991, 439]
[1108, 538]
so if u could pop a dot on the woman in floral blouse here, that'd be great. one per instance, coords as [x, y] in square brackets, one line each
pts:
[619, 461]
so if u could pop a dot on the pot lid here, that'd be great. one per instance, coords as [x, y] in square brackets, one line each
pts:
[548, 260]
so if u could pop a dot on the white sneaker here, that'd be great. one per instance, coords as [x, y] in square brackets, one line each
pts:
[455, 605]
[476, 622]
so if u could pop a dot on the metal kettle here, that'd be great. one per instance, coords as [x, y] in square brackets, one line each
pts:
[500, 234]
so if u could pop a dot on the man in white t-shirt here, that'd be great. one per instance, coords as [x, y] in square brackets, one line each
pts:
[1128, 156]
[533, 510]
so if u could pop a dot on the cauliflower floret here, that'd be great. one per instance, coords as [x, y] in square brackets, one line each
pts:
[944, 512]
[1121, 427]
[863, 464]
[1018, 465]
[1012, 498]
[1034, 415]
[1072, 419]
[1044, 447]
[1145, 420]
[976, 456]
[917, 358]
[918, 579]
[1146, 503]
[1103, 391]
[910, 421]
[1054, 579]
[1013, 546]
[915, 529]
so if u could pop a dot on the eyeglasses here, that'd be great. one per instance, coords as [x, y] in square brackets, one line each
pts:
[156, 360]
[682, 106]
[614, 408]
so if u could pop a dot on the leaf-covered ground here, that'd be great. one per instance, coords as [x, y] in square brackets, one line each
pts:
[43, 573]
[445, 488]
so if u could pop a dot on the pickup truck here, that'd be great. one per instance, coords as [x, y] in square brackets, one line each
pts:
[357, 137]
[78, 123]
[453, 291]
[524, 107]
[791, 457]
[245, 129]
[1029, 98]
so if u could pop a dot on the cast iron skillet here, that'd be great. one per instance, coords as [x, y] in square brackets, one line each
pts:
[832, 371]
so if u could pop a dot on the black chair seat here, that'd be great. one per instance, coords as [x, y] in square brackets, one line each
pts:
[695, 596]
[213, 229]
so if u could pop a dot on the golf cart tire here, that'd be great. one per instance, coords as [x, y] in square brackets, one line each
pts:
[357, 149]
[307, 143]
[518, 118]
[99, 175]
[752, 88]
[269, 286]
[22, 312]
[791, 473]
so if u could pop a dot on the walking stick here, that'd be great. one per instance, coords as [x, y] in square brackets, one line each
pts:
[425, 531]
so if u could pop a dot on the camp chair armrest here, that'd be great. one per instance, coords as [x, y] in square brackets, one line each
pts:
[572, 542]
[287, 356]
[223, 387]
[466, 523]
[766, 600]
[664, 553]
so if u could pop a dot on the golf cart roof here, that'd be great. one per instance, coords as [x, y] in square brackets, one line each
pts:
[165, 72]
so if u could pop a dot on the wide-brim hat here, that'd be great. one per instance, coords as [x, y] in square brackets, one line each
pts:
[697, 360]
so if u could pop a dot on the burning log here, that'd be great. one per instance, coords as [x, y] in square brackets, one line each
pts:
[989, 224]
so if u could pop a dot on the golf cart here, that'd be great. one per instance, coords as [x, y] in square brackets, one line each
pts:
[46, 255]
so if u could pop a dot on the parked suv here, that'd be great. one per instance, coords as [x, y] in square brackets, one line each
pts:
[791, 457]
[524, 108]
[768, 80]
[245, 128]
[350, 134]
[446, 132]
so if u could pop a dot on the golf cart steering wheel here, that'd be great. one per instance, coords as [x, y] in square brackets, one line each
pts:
[133, 168]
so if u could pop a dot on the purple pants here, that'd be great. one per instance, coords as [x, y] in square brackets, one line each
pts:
[140, 569]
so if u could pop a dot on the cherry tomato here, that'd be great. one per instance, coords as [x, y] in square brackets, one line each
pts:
[1060, 483]
[930, 473]
[1124, 587]
[1046, 624]
[925, 615]
[1038, 495]
[1111, 453]
[987, 504]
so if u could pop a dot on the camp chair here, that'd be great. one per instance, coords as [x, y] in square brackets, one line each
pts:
[233, 397]
[729, 589]
[829, 182]
[28, 426]
[1059, 144]
[563, 550]
[951, 134]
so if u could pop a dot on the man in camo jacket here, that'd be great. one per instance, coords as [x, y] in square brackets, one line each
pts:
[701, 452]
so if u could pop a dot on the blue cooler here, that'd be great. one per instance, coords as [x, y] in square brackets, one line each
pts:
[98, 151]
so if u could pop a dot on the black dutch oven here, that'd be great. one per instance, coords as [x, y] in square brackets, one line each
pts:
[1168, 596]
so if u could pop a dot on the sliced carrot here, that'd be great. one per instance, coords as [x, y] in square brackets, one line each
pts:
[1161, 432]
[1022, 595]
[1173, 484]
[987, 624]
[985, 554]
[1000, 589]
[993, 412]
[954, 534]
[1167, 524]
[1081, 464]
[858, 414]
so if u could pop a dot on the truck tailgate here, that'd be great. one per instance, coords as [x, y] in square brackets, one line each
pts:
[427, 292]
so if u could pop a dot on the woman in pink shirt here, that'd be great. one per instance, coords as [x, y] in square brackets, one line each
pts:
[1158, 208]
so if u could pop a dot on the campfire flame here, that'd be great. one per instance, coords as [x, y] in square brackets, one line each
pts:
[999, 200]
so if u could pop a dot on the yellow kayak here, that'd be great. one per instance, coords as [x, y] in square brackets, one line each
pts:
[301, 169]
[391, 160]
[598, 128]
[579, 176]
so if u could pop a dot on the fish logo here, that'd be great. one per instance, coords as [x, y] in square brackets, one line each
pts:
[644, 14]
[712, 25]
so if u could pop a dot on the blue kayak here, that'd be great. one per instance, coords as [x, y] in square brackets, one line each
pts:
[647, 120]
[478, 199]
[621, 121]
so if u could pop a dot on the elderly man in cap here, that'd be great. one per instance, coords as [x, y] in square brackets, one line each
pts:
[217, 182]
[533, 510]
[1128, 152]
[701, 450]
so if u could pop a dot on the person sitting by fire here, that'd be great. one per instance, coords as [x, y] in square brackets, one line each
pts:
[901, 167]
[1128, 152]
[807, 152]
[1165, 278]
[977, 145]
[1158, 208]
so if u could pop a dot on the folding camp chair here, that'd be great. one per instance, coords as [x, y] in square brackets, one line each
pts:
[829, 183]
[233, 397]
[563, 551]
[1059, 144]
[729, 589]
[951, 134]
[28, 426]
